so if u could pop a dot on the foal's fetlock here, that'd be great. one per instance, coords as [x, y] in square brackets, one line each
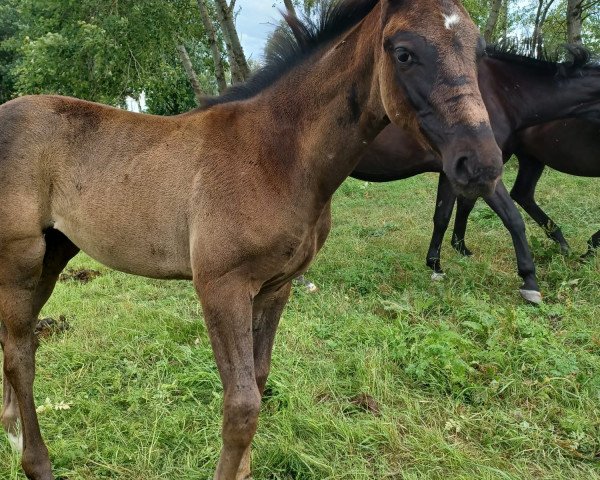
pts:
[37, 465]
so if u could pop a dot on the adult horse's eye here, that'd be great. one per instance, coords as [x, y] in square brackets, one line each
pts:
[404, 57]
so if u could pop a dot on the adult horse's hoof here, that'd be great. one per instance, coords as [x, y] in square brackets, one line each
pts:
[438, 276]
[460, 247]
[532, 296]
[589, 255]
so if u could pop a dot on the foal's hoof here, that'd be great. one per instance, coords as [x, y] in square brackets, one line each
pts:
[438, 276]
[532, 296]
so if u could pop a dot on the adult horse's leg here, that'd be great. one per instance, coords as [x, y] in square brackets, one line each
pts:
[266, 312]
[505, 208]
[21, 261]
[593, 245]
[58, 251]
[227, 305]
[443, 211]
[523, 192]
[464, 207]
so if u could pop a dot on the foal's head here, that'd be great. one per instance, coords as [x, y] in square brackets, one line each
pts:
[429, 68]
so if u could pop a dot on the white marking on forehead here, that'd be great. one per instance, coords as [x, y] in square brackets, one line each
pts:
[450, 20]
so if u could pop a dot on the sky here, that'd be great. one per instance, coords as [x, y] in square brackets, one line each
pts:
[255, 20]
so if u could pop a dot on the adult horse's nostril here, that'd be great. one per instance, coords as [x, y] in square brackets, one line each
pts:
[462, 172]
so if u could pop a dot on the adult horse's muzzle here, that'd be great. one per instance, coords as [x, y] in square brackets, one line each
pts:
[473, 164]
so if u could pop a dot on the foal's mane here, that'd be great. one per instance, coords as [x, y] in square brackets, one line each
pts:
[515, 52]
[294, 42]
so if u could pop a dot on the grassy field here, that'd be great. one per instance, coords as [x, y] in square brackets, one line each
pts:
[382, 374]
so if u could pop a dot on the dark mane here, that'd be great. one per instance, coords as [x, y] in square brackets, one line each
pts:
[515, 52]
[294, 42]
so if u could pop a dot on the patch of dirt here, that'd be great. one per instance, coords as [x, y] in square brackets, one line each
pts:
[82, 275]
[366, 403]
[48, 327]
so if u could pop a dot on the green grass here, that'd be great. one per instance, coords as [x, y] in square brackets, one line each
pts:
[469, 382]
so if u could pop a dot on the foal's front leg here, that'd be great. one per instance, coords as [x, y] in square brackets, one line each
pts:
[266, 312]
[227, 306]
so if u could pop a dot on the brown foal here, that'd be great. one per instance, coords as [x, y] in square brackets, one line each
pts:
[235, 195]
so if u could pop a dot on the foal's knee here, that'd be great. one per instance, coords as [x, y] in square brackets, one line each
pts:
[241, 417]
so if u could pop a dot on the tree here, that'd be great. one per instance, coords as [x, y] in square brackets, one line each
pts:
[537, 38]
[189, 70]
[240, 70]
[492, 20]
[289, 6]
[8, 48]
[215, 45]
[104, 50]
[574, 21]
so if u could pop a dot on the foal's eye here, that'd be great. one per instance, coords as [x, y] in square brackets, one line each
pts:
[404, 57]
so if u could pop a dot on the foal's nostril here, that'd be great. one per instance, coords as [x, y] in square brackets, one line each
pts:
[463, 173]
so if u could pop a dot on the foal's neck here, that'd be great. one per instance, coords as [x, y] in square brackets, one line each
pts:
[324, 112]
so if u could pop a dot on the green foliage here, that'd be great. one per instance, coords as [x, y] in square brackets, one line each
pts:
[105, 50]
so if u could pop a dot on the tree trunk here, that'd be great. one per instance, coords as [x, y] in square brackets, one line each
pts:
[236, 76]
[490, 25]
[189, 69]
[232, 40]
[289, 6]
[503, 22]
[537, 40]
[574, 21]
[213, 41]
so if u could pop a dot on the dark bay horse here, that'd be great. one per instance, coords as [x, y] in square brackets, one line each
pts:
[570, 146]
[235, 195]
[518, 92]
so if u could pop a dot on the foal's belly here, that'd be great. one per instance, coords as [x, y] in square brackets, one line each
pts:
[160, 252]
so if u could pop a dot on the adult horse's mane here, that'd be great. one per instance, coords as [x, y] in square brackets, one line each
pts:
[518, 52]
[294, 42]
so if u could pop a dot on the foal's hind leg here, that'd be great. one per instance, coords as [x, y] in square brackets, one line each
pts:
[21, 260]
[266, 312]
[58, 251]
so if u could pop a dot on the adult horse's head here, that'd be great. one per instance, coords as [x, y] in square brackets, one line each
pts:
[431, 66]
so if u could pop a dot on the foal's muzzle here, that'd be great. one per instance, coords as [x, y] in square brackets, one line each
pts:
[474, 166]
